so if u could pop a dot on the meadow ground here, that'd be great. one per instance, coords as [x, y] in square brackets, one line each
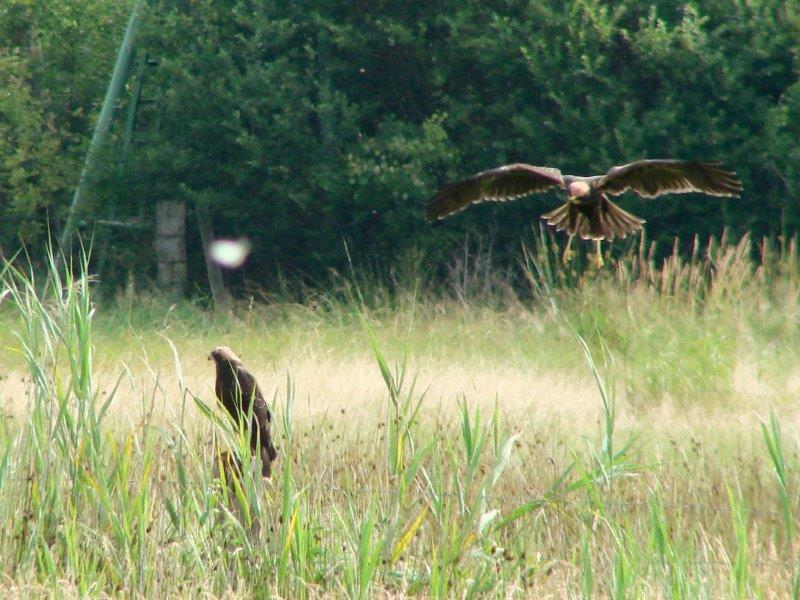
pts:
[629, 433]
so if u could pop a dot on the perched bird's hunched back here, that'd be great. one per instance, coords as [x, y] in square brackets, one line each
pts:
[236, 389]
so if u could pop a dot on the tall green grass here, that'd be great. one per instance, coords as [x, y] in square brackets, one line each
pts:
[412, 500]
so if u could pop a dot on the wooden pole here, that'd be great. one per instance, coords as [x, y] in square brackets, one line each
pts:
[118, 77]
[170, 247]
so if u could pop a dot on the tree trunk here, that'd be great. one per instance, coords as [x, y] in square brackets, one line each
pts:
[220, 295]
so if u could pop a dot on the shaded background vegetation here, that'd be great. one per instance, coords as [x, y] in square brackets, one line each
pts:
[303, 125]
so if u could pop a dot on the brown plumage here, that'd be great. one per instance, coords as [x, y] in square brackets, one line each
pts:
[236, 389]
[588, 211]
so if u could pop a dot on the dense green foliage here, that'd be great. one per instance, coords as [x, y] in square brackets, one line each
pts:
[55, 59]
[303, 125]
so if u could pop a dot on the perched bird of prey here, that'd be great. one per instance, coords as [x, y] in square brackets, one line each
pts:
[587, 212]
[239, 393]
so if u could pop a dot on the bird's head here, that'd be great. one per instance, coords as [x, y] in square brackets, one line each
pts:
[577, 190]
[222, 354]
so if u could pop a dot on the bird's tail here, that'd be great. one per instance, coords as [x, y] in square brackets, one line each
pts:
[266, 462]
[266, 450]
[602, 220]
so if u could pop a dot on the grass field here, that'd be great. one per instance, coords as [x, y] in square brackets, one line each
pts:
[627, 433]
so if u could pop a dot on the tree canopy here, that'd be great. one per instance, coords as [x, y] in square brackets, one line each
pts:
[304, 125]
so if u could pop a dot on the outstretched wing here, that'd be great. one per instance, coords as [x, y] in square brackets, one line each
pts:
[650, 178]
[501, 184]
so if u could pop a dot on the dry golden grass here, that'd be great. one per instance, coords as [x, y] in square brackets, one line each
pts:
[329, 385]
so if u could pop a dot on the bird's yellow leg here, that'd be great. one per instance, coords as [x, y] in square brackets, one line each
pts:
[598, 257]
[568, 253]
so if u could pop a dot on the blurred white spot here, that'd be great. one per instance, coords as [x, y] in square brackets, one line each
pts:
[487, 518]
[230, 254]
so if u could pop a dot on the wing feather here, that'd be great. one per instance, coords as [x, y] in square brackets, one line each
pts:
[651, 178]
[500, 184]
[250, 390]
[262, 417]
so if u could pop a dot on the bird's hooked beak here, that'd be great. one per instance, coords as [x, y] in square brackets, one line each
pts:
[210, 356]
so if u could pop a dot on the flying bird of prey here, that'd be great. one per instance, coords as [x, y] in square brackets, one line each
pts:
[588, 212]
[239, 393]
